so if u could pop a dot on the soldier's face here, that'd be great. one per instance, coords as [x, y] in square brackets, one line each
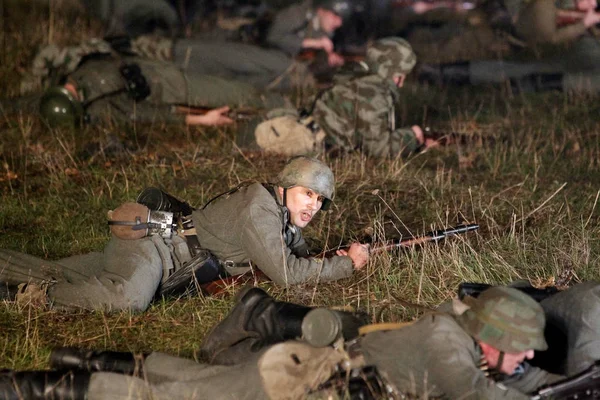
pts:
[585, 5]
[510, 362]
[303, 204]
[328, 20]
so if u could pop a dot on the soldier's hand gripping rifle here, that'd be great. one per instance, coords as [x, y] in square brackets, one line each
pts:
[220, 285]
[583, 386]
[433, 236]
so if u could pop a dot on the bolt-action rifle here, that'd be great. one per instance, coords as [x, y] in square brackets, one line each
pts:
[475, 289]
[433, 236]
[220, 285]
[583, 386]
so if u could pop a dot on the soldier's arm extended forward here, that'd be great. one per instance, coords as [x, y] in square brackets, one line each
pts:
[264, 244]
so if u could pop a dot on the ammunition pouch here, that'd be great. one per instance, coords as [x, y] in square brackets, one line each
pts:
[136, 85]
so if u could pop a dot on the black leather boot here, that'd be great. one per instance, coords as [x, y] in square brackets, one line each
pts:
[44, 385]
[70, 358]
[256, 320]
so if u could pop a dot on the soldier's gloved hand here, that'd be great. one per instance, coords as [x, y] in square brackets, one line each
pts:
[358, 252]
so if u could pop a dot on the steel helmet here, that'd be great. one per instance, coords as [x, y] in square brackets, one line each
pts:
[309, 173]
[58, 107]
[343, 8]
[391, 56]
[506, 319]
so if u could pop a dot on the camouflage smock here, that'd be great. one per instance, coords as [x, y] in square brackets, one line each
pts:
[248, 225]
[436, 358]
[359, 114]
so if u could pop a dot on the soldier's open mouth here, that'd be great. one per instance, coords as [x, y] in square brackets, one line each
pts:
[305, 216]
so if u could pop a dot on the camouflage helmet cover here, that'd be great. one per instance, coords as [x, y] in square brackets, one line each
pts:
[343, 8]
[309, 173]
[506, 319]
[391, 56]
[58, 107]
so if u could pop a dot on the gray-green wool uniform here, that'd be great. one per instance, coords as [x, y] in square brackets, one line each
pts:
[258, 66]
[250, 225]
[125, 276]
[291, 26]
[101, 85]
[575, 313]
[360, 114]
[436, 357]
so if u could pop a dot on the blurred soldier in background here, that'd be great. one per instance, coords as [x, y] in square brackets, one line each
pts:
[358, 113]
[140, 17]
[563, 51]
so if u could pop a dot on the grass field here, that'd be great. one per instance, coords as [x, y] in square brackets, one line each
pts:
[534, 191]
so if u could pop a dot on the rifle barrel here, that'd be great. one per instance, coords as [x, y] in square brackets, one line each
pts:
[433, 236]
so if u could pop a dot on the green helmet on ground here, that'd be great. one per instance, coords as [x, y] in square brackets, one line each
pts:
[309, 173]
[343, 8]
[58, 107]
[506, 319]
[391, 56]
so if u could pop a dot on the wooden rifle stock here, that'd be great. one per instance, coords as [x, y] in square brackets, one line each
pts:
[433, 236]
[220, 286]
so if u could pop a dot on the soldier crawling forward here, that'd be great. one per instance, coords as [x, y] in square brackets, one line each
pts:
[250, 226]
[358, 113]
[477, 352]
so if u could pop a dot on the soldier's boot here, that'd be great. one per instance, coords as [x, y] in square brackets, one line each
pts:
[258, 320]
[44, 385]
[444, 74]
[255, 321]
[71, 358]
[538, 83]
